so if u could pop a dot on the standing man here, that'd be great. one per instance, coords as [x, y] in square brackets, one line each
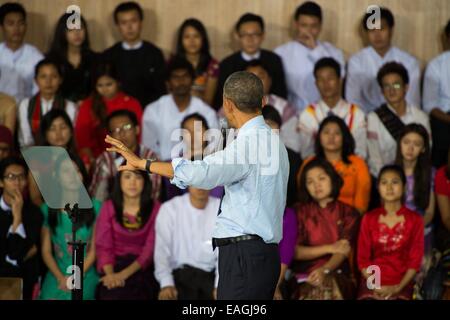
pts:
[300, 55]
[254, 170]
[139, 63]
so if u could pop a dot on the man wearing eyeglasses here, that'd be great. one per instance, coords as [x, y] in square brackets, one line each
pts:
[249, 33]
[20, 224]
[385, 124]
[123, 126]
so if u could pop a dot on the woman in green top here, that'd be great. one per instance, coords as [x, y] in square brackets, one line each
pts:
[57, 232]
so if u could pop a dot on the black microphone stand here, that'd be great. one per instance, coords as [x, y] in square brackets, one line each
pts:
[77, 253]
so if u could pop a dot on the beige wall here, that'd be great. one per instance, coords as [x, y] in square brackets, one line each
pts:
[419, 23]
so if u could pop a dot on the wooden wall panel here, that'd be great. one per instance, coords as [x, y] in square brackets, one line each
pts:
[419, 23]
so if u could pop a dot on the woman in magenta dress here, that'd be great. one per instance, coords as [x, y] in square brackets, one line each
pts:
[390, 243]
[125, 240]
[327, 229]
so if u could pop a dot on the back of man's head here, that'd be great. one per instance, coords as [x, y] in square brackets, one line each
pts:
[245, 90]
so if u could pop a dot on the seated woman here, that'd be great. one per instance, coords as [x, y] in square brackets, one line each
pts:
[90, 125]
[193, 45]
[390, 242]
[125, 240]
[442, 189]
[327, 229]
[336, 144]
[56, 130]
[57, 230]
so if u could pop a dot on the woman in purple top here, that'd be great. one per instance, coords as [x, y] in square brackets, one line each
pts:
[125, 238]
[414, 156]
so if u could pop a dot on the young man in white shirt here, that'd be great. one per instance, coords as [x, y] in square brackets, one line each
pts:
[436, 101]
[163, 117]
[300, 55]
[185, 263]
[17, 59]
[361, 84]
[385, 124]
[327, 72]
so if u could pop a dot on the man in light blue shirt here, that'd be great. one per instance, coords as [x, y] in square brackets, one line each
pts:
[436, 101]
[254, 170]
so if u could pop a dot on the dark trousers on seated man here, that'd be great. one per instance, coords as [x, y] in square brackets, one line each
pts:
[193, 283]
[248, 269]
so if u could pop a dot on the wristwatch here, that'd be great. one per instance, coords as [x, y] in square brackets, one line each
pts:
[148, 162]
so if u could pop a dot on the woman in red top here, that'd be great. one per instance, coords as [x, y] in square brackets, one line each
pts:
[90, 126]
[327, 230]
[442, 189]
[390, 243]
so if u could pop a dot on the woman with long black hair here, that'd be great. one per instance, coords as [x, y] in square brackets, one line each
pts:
[125, 240]
[71, 49]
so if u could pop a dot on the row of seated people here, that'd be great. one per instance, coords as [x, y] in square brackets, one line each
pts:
[139, 68]
[141, 250]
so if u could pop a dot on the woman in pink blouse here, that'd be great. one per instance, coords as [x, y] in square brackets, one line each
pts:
[125, 238]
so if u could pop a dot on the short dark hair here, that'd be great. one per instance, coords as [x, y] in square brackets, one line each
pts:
[309, 8]
[122, 113]
[179, 63]
[47, 62]
[392, 67]
[249, 17]
[11, 7]
[385, 14]
[348, 142]
[195, 116]
[9, 161]
[257, 63]
[245, 90]
[270, 113]
[447, 29]
[336, 180]
[128, 6]
[392, 168]
[327, 62]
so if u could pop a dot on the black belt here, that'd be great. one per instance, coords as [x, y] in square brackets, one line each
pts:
[220, 242]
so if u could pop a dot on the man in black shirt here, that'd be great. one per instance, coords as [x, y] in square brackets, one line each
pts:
[250, 34]
[20, 225]
[139, 63]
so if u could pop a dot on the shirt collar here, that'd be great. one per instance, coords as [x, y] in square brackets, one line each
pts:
[3, 205]
[126, 46]
[248, 57]
[334, 108]
[252, 123]
[386, 55]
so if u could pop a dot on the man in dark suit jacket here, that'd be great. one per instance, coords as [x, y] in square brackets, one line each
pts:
[250, 33]
[140, 64]
[20, 225]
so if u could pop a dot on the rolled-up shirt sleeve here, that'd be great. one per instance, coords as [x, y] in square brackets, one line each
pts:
[218, 169]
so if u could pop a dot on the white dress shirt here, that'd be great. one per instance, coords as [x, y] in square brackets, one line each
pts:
[161, 120]
[312, 117]
[25, 134]
[18, 67]
[20, 229]
[184, 237]
[381, 145]
[362, 87]
[436, 84]
[298, 62]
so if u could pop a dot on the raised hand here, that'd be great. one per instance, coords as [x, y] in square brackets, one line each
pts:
[133, 161]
